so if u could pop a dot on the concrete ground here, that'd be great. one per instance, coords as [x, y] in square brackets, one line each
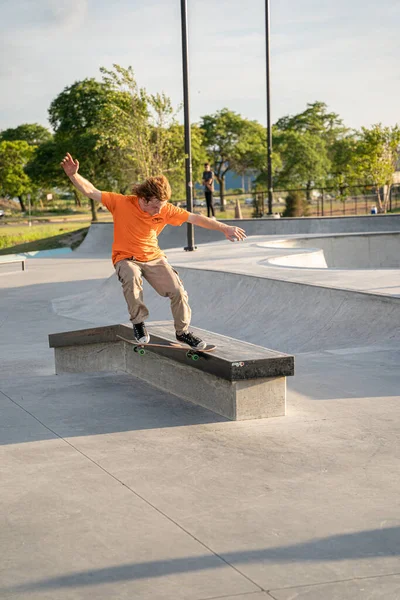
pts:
[111, 488]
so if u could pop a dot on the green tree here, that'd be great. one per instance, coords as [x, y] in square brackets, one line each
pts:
[44, 169]
[251, 151]
[14, 182]
[32, 133]
[305, 161]
[343, 172]
[120, 133]
[315, 120]
[376, 158]
[36, 136]
[75, 115]
[144, 135]
[307, 144]
[142, 126]
[227, 138]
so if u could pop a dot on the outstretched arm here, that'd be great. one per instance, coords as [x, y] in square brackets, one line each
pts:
[231, 233]
[71, 167]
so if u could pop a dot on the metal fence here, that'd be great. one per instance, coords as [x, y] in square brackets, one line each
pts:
[321, 202]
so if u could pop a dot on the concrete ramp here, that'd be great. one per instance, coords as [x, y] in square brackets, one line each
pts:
[98, 241]
[286, 316]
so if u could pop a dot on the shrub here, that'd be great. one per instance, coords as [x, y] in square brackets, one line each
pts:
[296, 205]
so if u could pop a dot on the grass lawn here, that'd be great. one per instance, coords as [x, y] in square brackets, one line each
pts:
[22, 238]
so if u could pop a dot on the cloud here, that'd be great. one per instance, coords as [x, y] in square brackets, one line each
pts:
[30, 15]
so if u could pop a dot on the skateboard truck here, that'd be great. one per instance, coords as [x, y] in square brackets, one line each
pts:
[192, 354]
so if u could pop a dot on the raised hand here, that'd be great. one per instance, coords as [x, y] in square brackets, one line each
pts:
[70, 165]
[234, 234]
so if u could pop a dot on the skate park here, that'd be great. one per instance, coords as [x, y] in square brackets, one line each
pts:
[114, 488]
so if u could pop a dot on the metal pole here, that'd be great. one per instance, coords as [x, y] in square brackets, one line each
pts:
[188, 151]
[269, 125]
[29, 204]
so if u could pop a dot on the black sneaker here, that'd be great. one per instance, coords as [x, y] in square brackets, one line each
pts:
[140, 333]
[188, 338]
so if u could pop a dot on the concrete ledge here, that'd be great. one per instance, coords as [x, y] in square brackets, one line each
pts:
[12, 258]
[238, 381]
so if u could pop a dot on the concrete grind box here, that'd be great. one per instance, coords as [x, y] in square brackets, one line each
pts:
[251, 388]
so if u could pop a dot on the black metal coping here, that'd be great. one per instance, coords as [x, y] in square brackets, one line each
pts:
[231, 360]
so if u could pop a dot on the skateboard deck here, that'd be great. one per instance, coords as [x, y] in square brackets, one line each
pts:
[190, 352]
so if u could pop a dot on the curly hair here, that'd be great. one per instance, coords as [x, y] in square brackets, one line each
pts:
[153, 187]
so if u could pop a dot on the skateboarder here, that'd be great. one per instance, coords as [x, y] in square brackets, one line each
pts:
[138, 220]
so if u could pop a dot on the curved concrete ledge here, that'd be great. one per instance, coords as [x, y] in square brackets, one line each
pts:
[339, 251]
[310, 258]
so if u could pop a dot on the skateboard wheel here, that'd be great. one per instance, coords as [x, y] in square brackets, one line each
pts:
[194, 356]
[140, 351]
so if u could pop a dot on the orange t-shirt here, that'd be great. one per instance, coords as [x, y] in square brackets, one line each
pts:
[135, 231]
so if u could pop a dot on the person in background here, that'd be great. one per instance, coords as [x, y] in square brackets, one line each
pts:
[208, 182]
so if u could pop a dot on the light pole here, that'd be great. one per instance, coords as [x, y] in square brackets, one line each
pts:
[186, 115]
[269, 126]
[29, 205]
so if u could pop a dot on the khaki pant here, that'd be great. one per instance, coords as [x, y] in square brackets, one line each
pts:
[163, 278]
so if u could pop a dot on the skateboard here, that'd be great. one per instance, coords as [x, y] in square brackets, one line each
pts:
[191, 353]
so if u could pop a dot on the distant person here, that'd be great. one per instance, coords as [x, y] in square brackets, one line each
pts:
[208, 182]
[138, 220]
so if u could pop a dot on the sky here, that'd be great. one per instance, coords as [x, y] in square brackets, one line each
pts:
[344, 53]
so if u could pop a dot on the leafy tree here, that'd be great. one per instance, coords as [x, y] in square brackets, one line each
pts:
[14, 182]
[342, 152]
[74, 115]
[143, 132]
[376, 158]
[36, 136]
[305, 161]
[120, 133]
[315, 120]
[141, 126]
[44, 168]
[251, 149]
[307, 143]
[227, 137]
[343, 172]
[32, 133]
